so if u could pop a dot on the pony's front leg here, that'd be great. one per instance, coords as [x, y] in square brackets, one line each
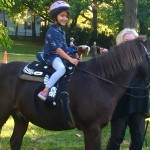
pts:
[92, 138]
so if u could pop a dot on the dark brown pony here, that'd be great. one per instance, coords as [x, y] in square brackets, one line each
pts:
[94, 91]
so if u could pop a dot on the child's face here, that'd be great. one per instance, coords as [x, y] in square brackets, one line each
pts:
[63, 18]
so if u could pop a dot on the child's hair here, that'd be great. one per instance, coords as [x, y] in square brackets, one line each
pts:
[57, 7]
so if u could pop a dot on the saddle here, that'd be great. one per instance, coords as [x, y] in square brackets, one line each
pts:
[41, 72]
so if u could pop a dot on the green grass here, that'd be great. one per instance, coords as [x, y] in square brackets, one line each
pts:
[26, 47]
[42, 139]
[37, 138]
[22, 51]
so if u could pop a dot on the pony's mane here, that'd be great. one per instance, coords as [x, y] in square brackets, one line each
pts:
[123, 57]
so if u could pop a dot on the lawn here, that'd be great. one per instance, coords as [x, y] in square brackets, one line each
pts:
[37, 138]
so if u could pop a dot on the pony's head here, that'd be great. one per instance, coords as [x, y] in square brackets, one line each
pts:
[86, 48]
[144, 68]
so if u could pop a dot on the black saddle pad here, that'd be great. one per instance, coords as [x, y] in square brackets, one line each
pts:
[38, 69]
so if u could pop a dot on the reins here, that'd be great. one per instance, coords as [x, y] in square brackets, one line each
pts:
[113, 83]
[148, 53]
[109, 81]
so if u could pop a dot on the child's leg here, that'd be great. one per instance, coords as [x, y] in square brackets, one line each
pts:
[60, 71]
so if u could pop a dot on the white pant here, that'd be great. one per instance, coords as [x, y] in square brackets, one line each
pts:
[60, 71]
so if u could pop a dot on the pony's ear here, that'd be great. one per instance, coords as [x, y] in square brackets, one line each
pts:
[141, 38]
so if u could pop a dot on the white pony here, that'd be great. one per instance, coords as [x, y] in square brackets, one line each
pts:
[82, 49]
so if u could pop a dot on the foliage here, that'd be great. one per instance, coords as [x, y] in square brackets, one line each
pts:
[144, 17]
[107, 16]
[110, 16]
[78, 8]
[5, 40]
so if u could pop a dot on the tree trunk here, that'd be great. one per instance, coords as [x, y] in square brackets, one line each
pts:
[16, 31]
[33, 27]
[131, 13]
[143, 28]
[4, 18]
[94, 22]
[25, 28]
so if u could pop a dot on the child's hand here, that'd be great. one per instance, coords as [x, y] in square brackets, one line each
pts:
[74, 61]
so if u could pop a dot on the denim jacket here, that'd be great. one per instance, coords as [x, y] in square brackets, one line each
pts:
[55, 38]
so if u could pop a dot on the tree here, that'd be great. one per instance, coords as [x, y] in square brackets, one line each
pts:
[5, 40]
[144, 17]
[131, 13]
[88, 18]
[94, 19]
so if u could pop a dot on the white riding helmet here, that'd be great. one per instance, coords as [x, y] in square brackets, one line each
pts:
[71, 39]
[57, 7]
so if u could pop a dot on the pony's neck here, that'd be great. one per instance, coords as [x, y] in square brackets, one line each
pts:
[122, 81]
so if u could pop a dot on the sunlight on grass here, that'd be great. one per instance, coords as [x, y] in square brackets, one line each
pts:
[19, 44]
[41, 139]
[8, 128]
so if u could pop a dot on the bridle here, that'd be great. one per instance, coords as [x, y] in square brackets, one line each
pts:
[147, 52]
[131, 87]
[148, 57]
